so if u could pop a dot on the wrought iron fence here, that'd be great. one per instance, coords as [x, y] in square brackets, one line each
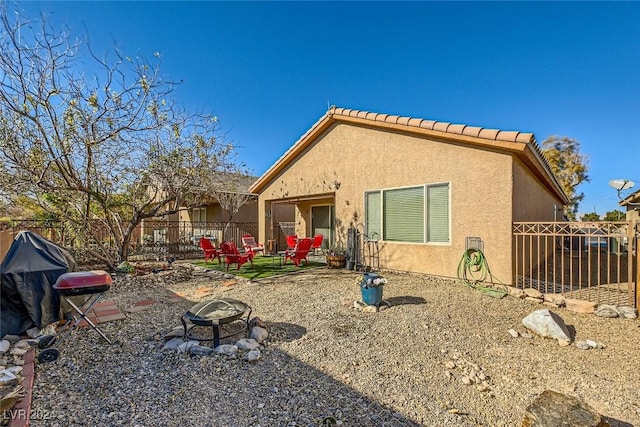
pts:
[151, 240]
[591, 261]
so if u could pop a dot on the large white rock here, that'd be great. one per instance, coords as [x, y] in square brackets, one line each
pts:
[227, 349]
[4, 346]
[547, 324]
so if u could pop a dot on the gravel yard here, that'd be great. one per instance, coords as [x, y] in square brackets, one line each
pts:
[324, 360]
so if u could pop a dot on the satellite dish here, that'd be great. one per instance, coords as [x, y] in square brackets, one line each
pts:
[621, 184]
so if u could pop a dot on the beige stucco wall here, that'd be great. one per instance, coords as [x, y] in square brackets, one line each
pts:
[360, 159]
[531, 200]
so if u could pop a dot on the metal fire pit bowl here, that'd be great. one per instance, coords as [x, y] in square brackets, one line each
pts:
[214, 313]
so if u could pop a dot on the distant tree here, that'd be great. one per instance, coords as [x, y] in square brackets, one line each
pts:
[592, 216]
[615, 215]
[569, 166]
[100, 148]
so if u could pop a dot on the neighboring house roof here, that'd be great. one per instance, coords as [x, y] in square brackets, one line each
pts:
[233, 182]
[523, 145]
[631, 200]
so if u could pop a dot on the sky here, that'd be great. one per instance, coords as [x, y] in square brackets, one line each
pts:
[269, 70]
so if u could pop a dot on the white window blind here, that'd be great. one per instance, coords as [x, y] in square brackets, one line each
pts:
[373, 211]
[438, 214]
[403, 214]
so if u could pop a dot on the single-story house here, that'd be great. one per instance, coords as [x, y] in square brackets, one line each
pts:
[420, 187]
[632, 204]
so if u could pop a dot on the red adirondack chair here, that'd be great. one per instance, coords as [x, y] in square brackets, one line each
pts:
[250, 245]
[317, 242]
[291, 241]
[300, 252]
[232, 255]
[210, 251]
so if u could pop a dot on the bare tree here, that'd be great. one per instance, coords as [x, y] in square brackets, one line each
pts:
[231, 193]
[103, 149]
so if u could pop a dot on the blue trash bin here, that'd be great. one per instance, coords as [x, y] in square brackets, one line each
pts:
[372, 296]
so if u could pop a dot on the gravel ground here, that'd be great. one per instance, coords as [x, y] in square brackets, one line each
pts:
[325, 360]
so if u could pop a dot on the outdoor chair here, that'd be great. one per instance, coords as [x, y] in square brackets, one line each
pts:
[250, 245]
[317, 243]
[210, 251]
[300, 252]
[291, 241]
[232, 255]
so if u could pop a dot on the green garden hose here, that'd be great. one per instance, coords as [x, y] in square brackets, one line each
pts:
[473, 271]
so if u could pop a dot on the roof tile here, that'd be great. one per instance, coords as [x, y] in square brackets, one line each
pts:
[524, 137]
[427, 124]
[371, 116]
[507, 136]
[393, 119]
[471, 130]
[414, 122]
[362, 114]
[441, 126]
[489, 133]
[380, 117]
[459, 129]
[338, 110]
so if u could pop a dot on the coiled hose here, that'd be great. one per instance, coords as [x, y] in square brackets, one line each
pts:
[473, 271]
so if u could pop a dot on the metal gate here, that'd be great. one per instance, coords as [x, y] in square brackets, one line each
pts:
[593, 261]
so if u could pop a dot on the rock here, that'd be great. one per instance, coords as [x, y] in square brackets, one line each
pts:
[252, 356]
[258, 334]
[369, 309]
[11, 338]
[547, 324]
[583, 345]
[33, 332]
[172, 344]
[7, 377]
[556, 299]
[25, 344]
[186, 346]
[533, 300]
[450, 365]
[177, 332]
[628, 312]
[226, 349]
[18, 351]
[200, 351]
[552, 409]
[465, 380]
[247, 344]
[564, 343]
[516, 292]
[580, 306]
[533, 293]
[606, 310]
[513, 333]
[359, 305]
[256, 321]
[4, 346]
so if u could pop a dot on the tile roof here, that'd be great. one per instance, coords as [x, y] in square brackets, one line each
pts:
[522, 143]
[458, 129]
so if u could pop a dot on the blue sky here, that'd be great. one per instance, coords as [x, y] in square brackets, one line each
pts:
[269, 70]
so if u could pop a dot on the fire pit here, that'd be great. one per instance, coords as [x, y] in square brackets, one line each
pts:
[214, 313]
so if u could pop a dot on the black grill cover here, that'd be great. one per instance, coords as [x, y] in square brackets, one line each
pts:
[27, 275]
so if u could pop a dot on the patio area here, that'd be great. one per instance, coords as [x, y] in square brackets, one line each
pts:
[324, 361]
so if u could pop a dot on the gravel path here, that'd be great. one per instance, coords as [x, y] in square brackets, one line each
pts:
[325, 360]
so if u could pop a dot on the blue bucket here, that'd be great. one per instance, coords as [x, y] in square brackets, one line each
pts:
[372, 296]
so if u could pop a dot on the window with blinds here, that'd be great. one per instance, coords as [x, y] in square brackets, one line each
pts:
[417, 214]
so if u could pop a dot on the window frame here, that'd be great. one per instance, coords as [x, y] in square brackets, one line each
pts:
[425, 187]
